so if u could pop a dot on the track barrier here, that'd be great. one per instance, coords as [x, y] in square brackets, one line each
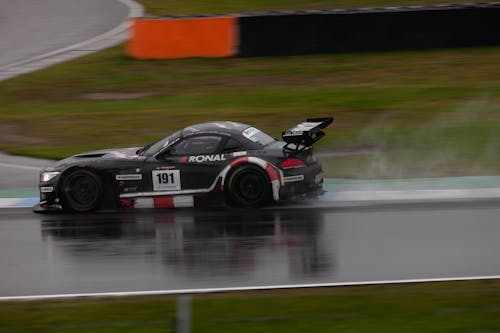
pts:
[361, 30]
[317, 31]
[182, 38]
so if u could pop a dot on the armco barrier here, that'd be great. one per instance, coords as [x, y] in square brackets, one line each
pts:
[183, 37]
[318, 31]
[384, 29]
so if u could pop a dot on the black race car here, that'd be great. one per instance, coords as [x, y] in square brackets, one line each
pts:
[215, 162]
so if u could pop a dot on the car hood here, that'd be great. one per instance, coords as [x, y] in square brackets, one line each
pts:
[98, 155]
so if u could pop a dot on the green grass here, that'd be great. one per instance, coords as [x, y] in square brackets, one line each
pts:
[401, 114]
[93, 315]
[159, 7]
[433, 307]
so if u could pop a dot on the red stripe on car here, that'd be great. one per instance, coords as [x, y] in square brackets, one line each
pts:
[272, 172]
[163, 202]
[238, 161]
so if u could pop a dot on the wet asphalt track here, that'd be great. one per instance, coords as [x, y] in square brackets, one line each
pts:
[54, 254]
[31, 28]
[186, 249]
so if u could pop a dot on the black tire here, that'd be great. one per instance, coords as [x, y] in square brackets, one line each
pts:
[81, 191]
[248, 186]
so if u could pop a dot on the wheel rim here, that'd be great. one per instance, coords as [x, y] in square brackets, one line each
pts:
[82, 191]
[250, 186]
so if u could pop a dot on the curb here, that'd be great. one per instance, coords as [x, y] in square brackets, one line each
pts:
[18, 202]
[110, 38]
[353, 198]
[377, 198]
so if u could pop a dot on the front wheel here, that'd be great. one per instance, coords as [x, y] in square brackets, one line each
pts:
[248, 186]
[81, 191]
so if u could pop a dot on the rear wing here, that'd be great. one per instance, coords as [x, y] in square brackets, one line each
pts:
[306, 134]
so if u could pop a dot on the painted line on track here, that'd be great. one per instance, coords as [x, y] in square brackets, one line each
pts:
[47, 59]
[397, 196]
[18, 202]
[251, 288]
[135, 10]
[19, 166]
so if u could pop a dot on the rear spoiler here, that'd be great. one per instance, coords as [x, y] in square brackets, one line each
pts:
[306, 134]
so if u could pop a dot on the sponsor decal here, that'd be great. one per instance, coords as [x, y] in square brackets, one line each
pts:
[297, 178]
[239, 153]
[250, 132]
[207, 158]
[47, 189]
[183, 159]
[293, 133]
[165, 167]
[129, 177]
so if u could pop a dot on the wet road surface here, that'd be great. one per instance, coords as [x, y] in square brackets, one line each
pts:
[20, 171]
[31, 27]
[187, 249]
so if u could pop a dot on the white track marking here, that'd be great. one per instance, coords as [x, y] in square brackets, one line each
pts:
[18, 166]
[8, 202]
[252, 288]
[135, 10]
[415, 195]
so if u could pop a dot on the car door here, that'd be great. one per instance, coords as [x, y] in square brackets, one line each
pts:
[192, 163]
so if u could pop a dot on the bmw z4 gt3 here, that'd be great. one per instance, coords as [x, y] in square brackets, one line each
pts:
[215, 162]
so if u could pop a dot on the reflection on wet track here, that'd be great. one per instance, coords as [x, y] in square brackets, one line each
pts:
[188, 249]
[195, 246]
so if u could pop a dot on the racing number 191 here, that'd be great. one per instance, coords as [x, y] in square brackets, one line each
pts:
[165, 178]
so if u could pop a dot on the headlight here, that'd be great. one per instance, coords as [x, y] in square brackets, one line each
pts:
[46, 176]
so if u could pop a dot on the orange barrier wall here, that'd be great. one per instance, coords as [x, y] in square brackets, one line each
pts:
[182, 38]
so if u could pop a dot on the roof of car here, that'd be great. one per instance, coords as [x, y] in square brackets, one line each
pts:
[230, 127]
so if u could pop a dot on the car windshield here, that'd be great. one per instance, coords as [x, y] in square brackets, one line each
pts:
[155, 147]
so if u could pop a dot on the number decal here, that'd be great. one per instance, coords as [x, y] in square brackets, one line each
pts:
[166, 180]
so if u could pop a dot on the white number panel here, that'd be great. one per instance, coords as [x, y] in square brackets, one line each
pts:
[166, 180]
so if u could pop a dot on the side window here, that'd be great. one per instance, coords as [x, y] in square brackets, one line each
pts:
[231, 146]
[197, 145]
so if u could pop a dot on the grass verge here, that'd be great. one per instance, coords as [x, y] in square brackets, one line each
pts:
[401, 114]
[432, 307]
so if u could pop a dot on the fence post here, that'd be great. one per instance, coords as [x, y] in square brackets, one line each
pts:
[183, 319]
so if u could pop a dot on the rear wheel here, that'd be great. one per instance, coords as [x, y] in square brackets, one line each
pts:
[248, 186]
[81, 191]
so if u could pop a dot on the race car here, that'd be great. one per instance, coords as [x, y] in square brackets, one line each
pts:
[215, 162]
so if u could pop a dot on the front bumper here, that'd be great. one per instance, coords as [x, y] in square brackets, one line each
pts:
[44, 208]
[49, 192]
